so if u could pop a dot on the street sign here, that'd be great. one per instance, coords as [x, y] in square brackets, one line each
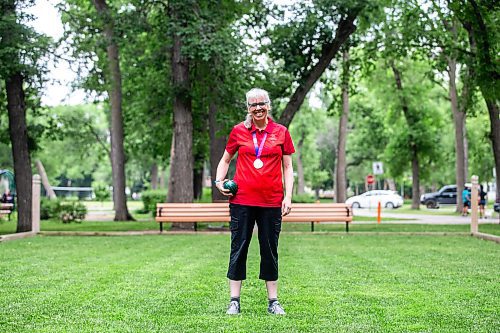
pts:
[378, 168]
[370, 179]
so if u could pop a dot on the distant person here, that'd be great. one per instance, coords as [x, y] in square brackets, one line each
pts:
[466, 201]
[483, 196]
[7, 197]
[265, 151]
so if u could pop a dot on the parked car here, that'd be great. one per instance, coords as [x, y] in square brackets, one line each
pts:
[388, 199]
[496, 206]
[446, 195]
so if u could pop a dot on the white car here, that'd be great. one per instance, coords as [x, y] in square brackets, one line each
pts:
[370, 199]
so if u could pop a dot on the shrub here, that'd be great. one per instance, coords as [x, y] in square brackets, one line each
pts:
[101, 192]
[303, 198]
[151, 198]
[65, 211]
[49, 208]
[72, 211]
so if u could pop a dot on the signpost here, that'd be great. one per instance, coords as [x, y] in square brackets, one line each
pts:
[378, 168]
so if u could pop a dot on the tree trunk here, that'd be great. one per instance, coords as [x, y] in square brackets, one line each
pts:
[345, 28]
[154, 176]
[300, 165]
[217, 147]
[391, 184]
[16, 107]
[495, 138]
[341, 181]
[181, 168]
[415, 172]
[115, 93]
[45, 180]
[460, 134]
[415, 168]
[162, 182]
[198, 180]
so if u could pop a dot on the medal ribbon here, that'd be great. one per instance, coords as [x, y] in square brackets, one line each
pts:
[258, 149]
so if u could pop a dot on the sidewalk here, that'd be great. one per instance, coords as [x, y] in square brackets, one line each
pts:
[423, 218]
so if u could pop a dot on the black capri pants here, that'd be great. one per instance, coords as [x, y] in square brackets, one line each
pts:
[243, 219]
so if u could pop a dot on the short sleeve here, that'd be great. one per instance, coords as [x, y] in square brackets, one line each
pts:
[288, 147]
[232, 143]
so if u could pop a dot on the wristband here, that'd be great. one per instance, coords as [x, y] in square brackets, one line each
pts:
[217, 182]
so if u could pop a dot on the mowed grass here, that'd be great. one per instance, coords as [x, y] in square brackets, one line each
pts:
[8, 227]
[177, 283]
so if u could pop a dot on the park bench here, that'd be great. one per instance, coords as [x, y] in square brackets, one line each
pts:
[6, 209]
[219, 212]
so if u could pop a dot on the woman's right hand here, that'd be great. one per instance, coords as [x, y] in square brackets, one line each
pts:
[220, 187]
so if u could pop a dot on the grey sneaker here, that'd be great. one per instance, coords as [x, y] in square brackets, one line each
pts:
[276, 308]
[233, 308]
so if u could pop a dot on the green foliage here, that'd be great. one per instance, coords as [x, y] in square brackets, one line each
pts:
[65, 211]
[101, 192]
[313, 134]
[49, 209]
[303, 198]
[151, 198]
[77, 147]
[73, 211]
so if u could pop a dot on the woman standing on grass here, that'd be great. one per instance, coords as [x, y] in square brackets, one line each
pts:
[264, 154]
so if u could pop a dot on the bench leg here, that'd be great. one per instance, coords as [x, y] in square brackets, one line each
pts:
[161, 226]
[312, 226]
[196, 226]
[347, 227]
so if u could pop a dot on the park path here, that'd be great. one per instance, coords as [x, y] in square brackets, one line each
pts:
[422, 218]
[100, 212]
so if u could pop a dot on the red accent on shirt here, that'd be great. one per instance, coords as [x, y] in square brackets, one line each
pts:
[259, 187]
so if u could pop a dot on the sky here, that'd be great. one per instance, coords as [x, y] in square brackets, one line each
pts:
[48, 21]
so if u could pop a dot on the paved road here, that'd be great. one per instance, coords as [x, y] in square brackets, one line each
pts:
[424, 218]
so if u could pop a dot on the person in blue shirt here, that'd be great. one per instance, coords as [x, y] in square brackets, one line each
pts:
[466, 201]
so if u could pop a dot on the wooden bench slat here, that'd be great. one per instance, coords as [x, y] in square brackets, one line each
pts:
[190, 219]
[219, 212]
[226, 211]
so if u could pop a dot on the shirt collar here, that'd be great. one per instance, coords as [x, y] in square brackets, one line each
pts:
[268, 129]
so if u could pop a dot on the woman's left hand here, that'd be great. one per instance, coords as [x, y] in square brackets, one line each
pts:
[286, 206]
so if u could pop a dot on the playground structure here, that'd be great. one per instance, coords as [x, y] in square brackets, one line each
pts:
[7, 182]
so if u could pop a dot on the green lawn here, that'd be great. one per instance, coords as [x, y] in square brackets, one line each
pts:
[7, 227]
[177, 284]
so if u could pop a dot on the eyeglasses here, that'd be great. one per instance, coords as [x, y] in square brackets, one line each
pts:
[254, 105]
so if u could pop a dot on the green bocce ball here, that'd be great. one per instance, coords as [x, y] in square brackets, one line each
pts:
[231, 186]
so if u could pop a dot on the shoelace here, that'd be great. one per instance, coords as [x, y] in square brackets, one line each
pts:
[274, 306]
[234, 304]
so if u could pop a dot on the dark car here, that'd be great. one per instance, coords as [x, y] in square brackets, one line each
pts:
[496, 206]
[447, 195]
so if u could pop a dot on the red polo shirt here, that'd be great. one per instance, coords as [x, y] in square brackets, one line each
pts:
[259, 187]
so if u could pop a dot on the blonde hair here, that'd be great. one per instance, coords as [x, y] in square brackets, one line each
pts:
[254, 93]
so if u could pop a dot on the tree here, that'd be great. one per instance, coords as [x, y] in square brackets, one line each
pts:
[479, 20]
[19, 54]
[180, 187]
[308, 46]
[439, 35]
[114, 79]
[76, 148]
[340, 174]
